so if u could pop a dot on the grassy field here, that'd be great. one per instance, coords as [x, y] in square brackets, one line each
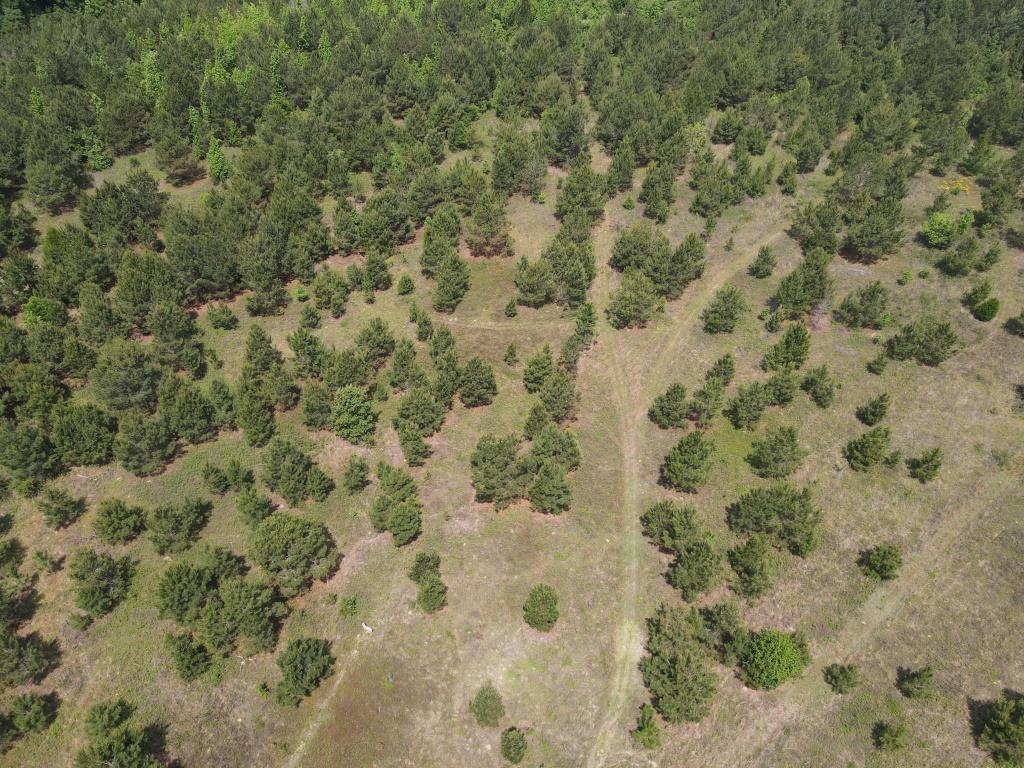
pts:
[399, 696]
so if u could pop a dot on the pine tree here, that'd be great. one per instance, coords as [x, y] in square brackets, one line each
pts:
[353, 416]
[477, 385]
[538, 369]
[776, 454]
[687, 465]
[790, 351]
[550, 492]
[559, 396]
[867, 450]
[669, 409]
[452, 283]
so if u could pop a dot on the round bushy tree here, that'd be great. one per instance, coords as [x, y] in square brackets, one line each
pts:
[772, 657]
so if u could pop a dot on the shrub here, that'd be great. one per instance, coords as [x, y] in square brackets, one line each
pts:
[752, 563]
[889, 736]
[304, 664]
[916, 683]
[820, 385]
[925, 468]
[940, 229]
[764, 264]
[687, 465]
[513, 745]
[776, 454]
[722, 314]
[866, 307]
[175, 528]
[882, 562]
[101, 582]
[874, 410]
[670, 409]
[866, 451]
[790, 351]
[927, 340]
[646, 734]
[293, 551]
[784, 513]
[540, 610]
[487, 706]
[841, 678]
[60, 509]
[772, 657]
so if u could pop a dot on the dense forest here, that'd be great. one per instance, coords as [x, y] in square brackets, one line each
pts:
[282, 280]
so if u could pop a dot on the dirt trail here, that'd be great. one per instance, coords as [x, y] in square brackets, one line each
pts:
[632, 395]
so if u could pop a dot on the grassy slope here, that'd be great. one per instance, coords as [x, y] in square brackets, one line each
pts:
[399, 696]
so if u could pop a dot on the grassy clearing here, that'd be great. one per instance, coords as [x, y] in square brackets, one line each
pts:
[400, 695]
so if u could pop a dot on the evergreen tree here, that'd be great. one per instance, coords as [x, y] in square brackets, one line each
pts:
[353, 416]
[777, 454]
[550, 492]
[477, 385]
[452, 283]
[722, 314]
[670, 408]
[790, 351]
[687, 465]
[635, 302]
[538, 369]
[820, 384]
[144, 444]
[867, 450]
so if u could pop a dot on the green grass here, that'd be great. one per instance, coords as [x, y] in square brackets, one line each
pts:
[400, 695]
